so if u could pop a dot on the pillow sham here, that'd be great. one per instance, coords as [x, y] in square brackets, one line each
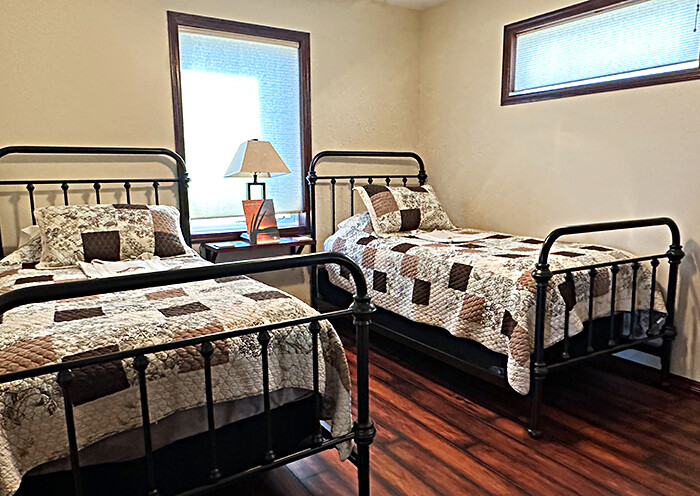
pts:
[82, 233]
[401, 209]
[360, 222]
[27, 233]
[27, 253]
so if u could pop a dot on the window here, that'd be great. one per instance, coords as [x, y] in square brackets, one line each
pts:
[233, 82]
[600, 46]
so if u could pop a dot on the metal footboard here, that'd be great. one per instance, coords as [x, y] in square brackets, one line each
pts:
[361, 311]
[615, 343]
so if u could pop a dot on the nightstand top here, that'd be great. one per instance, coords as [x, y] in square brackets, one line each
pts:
[241, 244]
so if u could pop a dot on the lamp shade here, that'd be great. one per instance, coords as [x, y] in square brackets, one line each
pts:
[256, 157]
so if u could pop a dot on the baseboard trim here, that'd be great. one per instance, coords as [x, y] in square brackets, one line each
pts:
[637, 370]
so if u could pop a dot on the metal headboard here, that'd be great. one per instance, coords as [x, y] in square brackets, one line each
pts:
[181, 178]
[314, 178]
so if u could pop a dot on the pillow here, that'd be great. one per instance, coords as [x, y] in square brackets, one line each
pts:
[27, 233]
[27, 253]
[359, 222]
[82, 233]
[401, 209]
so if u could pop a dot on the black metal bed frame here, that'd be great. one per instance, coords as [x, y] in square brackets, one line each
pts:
[360, 310]
[602, 336]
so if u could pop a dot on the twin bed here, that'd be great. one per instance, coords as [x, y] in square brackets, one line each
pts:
[177, 381]
[506, 308]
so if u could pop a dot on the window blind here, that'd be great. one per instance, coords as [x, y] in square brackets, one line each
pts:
[637, 39]
[236, 88]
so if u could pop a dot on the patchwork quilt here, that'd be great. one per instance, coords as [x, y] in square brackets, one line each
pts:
[106, 398]
[482, 289]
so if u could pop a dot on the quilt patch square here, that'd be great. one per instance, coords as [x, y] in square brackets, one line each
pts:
[187, 309]
[379, 281]
[410, 219]
[266, 295]
[596, 248]
[384, 203]
[101, 245]
[167, 244]
[27, 280]
[409, 266]
[77, 314]
[459, 276]
[96, 381]
[167, 293]
[366, 240]
[570, 254]
[368, 257]
[508, 324]
[27, 354]
[403, 247]
[472, 308]
[190, 358]
[421, 292]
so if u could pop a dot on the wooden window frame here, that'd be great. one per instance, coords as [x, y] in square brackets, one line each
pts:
[179, 19]
[511, 31]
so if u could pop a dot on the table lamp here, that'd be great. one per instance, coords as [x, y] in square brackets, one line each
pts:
[256, 158]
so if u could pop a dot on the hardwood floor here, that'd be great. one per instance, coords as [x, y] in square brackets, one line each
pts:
[605, 434]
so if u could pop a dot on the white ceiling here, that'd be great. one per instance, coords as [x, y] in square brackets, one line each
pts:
[413, 4]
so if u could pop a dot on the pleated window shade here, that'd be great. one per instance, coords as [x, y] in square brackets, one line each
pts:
[633, 40]
[236, 88]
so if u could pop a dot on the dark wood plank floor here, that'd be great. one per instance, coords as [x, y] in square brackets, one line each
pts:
[441, 432]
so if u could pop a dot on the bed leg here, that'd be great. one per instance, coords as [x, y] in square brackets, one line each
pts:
[363, 470]
[539, 376]
[675, 255]
[666, 358]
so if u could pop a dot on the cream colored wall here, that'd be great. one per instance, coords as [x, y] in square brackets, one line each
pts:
[96, 72]
[529, 168]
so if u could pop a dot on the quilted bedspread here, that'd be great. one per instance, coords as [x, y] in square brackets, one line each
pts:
[32, 429]
[482, 289]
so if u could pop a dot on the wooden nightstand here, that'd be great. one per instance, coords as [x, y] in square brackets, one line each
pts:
[296, 244]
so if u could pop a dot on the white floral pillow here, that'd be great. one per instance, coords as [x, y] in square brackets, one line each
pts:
[360, 222]
[403, 209]
[27, 253]
[82, 233]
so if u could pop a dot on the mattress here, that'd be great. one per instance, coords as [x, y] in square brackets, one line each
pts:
[482, 288]
[32, 428]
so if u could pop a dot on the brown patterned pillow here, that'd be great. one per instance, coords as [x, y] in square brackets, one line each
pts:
[400, 209]
[74, 233]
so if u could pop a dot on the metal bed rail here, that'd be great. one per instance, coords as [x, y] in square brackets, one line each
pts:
[361, 310]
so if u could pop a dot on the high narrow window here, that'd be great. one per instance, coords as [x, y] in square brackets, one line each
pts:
[233, 82]
[600, 46]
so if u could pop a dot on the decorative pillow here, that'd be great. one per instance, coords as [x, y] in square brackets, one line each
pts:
[359, 222]
[27, 253]
[74, 233]
[27, 233]
[400, 209]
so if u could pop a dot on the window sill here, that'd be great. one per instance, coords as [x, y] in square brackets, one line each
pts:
[205, 237]
[231, 228]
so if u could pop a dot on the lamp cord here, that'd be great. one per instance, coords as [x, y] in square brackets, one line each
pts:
[697, 11]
